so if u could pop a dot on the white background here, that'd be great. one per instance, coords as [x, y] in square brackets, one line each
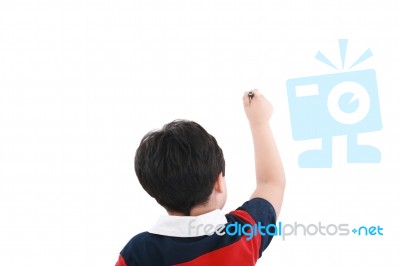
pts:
[82, 81]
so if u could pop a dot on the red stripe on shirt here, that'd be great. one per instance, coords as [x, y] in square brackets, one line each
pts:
[121, 261]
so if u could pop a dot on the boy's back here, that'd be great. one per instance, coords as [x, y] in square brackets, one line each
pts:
[186, 248]
[182, 167]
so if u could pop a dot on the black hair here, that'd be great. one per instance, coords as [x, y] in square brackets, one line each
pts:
[179, 164]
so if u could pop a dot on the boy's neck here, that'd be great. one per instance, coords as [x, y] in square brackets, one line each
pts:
[195, 211]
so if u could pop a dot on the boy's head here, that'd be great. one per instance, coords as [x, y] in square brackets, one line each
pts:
[180, 165]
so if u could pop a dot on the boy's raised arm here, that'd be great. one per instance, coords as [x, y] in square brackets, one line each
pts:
[270, 176]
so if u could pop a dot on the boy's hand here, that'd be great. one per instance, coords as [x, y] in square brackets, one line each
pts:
[270, 176]
[258, 110]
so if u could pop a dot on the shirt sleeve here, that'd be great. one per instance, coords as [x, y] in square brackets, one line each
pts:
[263, 213]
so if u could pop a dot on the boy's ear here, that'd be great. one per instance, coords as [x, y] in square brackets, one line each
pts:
[219, 183]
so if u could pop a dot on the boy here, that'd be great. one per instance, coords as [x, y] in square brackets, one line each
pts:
[183, 168]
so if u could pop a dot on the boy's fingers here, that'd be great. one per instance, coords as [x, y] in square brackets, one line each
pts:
[246, 98]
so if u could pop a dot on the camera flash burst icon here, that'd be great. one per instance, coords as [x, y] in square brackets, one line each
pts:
[329, 105]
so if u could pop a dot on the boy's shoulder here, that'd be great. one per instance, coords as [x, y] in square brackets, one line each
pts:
[139, 240]
[139, 248]
[259, 209]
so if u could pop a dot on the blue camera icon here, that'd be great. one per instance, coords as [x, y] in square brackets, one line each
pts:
[324, 106]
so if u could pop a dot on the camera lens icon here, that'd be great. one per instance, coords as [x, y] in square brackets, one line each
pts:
[348, 102]
[325, 106]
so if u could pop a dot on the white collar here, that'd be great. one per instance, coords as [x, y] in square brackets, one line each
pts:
[188, 226]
